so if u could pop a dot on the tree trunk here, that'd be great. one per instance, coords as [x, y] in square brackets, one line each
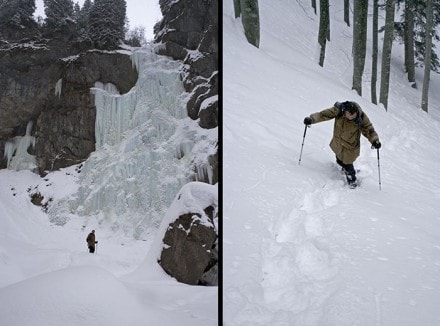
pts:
[328, 24]
[428, 46]
[251, 21]
[375, 51]
[359, 42]
[323, 28]
[386, 53]
[409, 41]
[237, 10]
[347, 12]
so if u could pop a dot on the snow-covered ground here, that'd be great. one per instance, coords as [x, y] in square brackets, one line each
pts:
[300, 248]
[47, 276]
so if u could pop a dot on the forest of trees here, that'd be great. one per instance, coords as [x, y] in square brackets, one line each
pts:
[101, 23]
[411, 22]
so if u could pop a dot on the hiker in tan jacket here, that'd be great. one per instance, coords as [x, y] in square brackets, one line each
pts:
[350, 123]
[91, 241]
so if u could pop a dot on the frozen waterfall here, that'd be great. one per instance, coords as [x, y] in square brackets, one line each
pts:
[144, 148]
[16, 151]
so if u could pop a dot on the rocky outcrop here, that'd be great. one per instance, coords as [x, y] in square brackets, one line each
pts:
[190, 251]
[189, 32]
[70, 136]
[40, 82]
[190, 243]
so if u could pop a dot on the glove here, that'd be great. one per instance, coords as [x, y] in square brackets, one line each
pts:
[307, 121]
[96, 241]
[377, 144]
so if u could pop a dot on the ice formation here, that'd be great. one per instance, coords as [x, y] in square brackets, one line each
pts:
[145, 148]
[59, 87]
[113, 113]
[16, 151]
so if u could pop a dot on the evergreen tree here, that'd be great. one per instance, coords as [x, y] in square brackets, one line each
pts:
[136, 36]
[82, 20]
[386, 53]
[359, 42]
[420, 20]
[106, 23]
[17, 13]
[411, 29]
[76, 11]
[58, 13]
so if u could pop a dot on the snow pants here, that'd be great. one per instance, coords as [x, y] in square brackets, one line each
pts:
[349, 170]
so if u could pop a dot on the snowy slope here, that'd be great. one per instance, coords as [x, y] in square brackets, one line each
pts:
[300, 248]
[47, 276]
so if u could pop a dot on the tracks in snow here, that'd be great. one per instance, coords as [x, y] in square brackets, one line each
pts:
[299, 267]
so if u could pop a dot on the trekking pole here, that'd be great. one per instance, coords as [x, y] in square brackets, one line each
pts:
[378, 168]
[302, 146]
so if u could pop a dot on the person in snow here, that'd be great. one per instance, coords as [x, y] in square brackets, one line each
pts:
[350, 122]
[91, 241]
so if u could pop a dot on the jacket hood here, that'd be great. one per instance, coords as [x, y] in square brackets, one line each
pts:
[340, 106]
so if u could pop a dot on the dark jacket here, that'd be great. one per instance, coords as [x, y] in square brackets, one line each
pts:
[346, 134]
[91, 240]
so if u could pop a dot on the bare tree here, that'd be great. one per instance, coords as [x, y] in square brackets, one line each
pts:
[237, 10]
[324, 23]
[409, 41]
[250, 18]
[347, 12]
[360, 12]
[428, 46]
[375, 51]
[386, 53]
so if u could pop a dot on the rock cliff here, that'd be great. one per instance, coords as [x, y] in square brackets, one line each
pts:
[47, 79]
[189, 32]
[44, 82]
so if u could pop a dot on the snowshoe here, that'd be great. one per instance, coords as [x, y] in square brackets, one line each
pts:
[350, 179]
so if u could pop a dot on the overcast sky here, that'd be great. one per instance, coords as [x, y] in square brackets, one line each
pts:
[139, 12]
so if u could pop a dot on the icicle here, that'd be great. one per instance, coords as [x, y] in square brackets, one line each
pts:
[135, 60]
[204, 173]
[16, 151]
[58, 87]
[113, 113]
